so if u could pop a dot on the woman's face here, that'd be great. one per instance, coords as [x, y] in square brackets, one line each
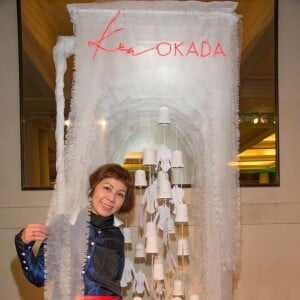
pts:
[108, 197]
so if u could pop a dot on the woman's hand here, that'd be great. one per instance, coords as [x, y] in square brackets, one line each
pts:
[34, 232]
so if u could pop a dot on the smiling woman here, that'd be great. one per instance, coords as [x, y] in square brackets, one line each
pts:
[41, 22]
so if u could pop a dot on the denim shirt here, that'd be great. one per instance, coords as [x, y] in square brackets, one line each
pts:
[104, 264]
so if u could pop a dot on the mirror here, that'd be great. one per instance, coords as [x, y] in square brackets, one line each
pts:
[41, 22]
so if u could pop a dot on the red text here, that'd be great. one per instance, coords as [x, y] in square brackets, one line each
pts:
[202, 48]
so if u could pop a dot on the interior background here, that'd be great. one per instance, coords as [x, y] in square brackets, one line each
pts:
[41, 22]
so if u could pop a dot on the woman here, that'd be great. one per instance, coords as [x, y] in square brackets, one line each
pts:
[111, 191]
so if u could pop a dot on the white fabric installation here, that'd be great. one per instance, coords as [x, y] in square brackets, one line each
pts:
[132, 57]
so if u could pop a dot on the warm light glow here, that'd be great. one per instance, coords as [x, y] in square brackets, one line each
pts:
[256, 163]
[103, 123]
[67, 123]
[270, 138]
[257, 152]
[134, 155]
[260, 156]
[253, 165]
[255, 120]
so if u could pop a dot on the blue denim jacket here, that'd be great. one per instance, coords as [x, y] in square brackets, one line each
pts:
[105, 258]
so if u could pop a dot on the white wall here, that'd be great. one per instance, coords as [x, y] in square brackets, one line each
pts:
[269, 269]
[16, 207]
[270, 264]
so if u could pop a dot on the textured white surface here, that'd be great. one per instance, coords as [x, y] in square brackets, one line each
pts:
[127, 90]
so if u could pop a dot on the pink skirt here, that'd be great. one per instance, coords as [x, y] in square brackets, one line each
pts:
[101, 298]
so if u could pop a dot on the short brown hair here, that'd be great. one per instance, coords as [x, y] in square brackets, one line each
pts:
[116, 171]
